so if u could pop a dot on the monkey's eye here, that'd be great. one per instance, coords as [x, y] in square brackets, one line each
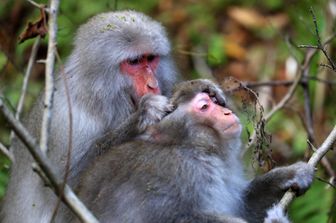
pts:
[134, 61]
[205, 107]
[151, 57]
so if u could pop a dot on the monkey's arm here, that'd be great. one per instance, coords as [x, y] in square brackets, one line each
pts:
[152, 108]
[268, 189]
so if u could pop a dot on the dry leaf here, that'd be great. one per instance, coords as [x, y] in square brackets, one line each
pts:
[248, 18]
[251, 18]
[234, 50]
[255, 115]
[278, 21]
[38, 28]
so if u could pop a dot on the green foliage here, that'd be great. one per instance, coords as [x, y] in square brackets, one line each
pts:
[273, 4]
[216, 50]
[207, 24]
[303, 23]
[3, 60]
[4, 169]
[310, 207]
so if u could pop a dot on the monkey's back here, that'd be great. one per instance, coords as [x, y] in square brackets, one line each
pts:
[146, 182]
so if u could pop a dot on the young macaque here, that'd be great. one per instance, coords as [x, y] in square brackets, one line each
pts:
[186, 168]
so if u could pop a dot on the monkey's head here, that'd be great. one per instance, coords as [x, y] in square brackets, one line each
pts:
[204, 102]
[127, 50]
[200, 116]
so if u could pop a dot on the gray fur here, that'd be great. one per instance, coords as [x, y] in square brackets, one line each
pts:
[175, 178]
[266, 190]
[276, 215]
[101, 100]
[182, 169]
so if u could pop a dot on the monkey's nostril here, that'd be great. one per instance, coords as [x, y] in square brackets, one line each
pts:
[153, 84]
[153, 88]
[227, 111]
[150, 86]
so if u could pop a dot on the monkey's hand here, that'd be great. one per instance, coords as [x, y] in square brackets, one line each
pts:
[152, 109]
[209, 87]
[267, 189]
[298, 177]
[198, 86]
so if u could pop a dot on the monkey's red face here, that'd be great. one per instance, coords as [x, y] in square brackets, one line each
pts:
[221, 118]
[142, 70]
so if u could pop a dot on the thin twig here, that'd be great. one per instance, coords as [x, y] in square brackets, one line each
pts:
[286, 98]
[311, 146]
[325, 162]
[309, 120]
[327, 66]
[40, 6]
[7, 152]
[308, 46]
[293, 88]
[284, 83]
[68, 160]
[69, 198]
[30, 66]
[315, 158]
[320, 45]
[307, 106]
[326, 182]
[49, 85]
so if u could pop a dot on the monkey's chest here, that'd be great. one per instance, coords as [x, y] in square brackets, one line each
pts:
[218, 187]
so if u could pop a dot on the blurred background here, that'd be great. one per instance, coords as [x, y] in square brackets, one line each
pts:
[254, 41]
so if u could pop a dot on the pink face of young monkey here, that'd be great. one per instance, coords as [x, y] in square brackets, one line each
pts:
[220, 118]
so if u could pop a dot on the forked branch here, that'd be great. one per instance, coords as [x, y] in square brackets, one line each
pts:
[315, 158]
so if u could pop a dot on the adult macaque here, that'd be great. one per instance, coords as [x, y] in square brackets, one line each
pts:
[186, 168]
[117, 58]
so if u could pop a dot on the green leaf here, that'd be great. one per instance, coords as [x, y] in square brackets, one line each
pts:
[216, 51]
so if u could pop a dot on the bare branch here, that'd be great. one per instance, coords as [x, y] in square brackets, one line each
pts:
[292, 89]
[26, 78]
[307, 106]
[49, 86]
[68, 160]
[326, 65]
[7, 152]
[286, 98]
[31, 61]
[40, 6]
[315, 158]
[330, 182]
[308, 46]
[320, 45]
[284, 83]
[69, 198]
